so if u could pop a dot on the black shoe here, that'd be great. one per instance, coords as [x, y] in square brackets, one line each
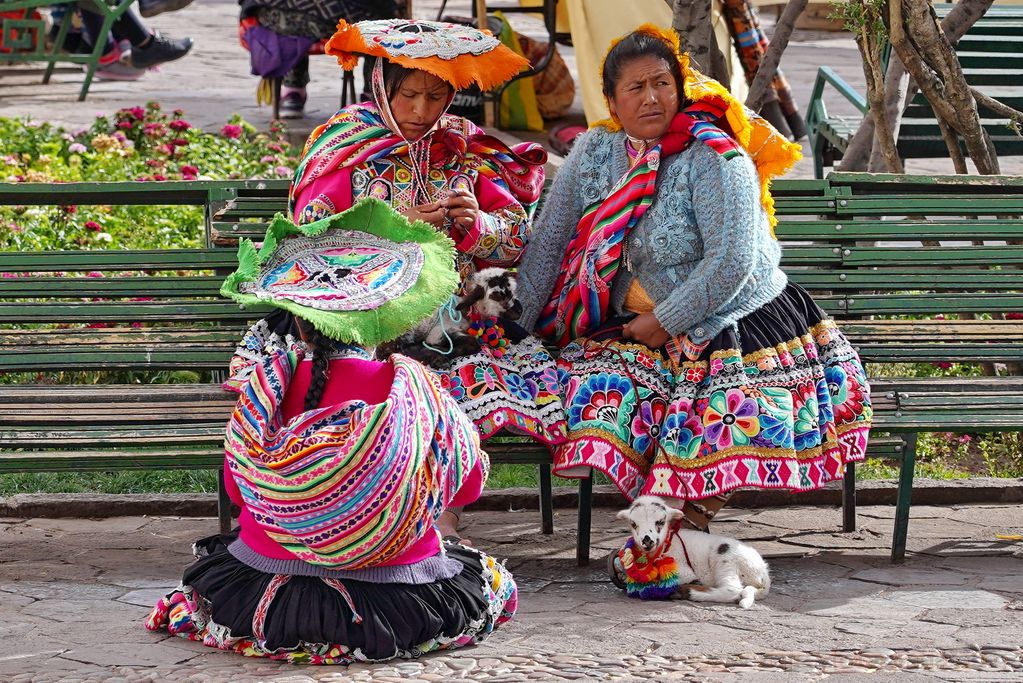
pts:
[150, 8]
[293, 104]
[159, 50]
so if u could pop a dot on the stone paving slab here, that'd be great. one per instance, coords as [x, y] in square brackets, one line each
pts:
[74, 592]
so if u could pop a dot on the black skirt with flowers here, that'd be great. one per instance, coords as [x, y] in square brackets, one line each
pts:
[781, 400]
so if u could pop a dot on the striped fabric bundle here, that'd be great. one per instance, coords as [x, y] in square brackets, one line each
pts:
[357, 134]
[354, 485]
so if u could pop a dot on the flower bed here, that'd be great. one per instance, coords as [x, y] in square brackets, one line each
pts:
[143, 144]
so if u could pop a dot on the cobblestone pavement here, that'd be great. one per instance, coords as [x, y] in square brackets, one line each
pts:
[213, 82]
[74, 592]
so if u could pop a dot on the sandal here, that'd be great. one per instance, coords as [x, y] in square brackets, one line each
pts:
[562, 136]
[615, 570]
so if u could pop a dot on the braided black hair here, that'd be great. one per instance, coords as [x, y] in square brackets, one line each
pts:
[320, 347]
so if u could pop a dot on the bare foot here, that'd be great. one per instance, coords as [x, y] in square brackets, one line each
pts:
[447, 524]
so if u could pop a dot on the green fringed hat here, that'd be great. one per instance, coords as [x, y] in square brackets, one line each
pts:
[363, 276]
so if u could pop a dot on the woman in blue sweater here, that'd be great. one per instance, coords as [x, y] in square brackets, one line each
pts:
[692, 366]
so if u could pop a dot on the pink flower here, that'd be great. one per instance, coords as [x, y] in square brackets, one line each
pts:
[154, 163]
[159, 178]
[179, 142]
[138, 112]
[165, 149]
[267, 159]
[76, 148]
[231, 131]
[1014, 316]
[179, 125]
[93, 225]
[124, 125]
[283, 171]
[94, 273]
[275, 147]
[154, 130]
[188, 169]
[943, 364]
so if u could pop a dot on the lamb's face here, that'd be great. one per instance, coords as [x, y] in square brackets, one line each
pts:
[650, 520]
[498, 296]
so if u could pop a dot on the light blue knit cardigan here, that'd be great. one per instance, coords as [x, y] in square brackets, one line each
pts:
[703, 251]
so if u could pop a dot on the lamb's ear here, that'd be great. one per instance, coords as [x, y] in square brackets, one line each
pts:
[674, 514]
[623, 514]
[471, 297]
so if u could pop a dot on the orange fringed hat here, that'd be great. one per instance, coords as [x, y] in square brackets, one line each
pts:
[772, 153]
[460, 55]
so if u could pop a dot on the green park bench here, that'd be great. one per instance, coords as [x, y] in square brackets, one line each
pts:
[991, 54]
[883, 254]
[26, 38]
[185, 325]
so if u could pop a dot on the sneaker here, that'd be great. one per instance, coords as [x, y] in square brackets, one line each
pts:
[118, 71]
[160, 50]
[293, 103]
[150, 8]
[116, 65]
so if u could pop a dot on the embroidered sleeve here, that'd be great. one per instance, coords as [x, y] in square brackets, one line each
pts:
[501, 229]
[325, 196]
[726, 200]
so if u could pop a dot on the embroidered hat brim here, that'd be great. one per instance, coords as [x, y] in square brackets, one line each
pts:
[460, 55]
[363, 276]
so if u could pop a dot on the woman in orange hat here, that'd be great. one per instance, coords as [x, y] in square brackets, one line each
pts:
[403, 149]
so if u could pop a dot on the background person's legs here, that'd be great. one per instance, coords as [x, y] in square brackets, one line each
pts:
[147, 47]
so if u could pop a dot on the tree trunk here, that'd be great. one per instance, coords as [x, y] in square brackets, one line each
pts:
[869, 42]
[779, 41]
[955, 25]
[692, 20]
[897, 86]
[934, 65]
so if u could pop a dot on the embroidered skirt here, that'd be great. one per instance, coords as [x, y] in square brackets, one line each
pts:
[784, 403]
[226, 604]
[519, 392]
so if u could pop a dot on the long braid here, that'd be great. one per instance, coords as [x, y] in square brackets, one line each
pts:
[320, 346]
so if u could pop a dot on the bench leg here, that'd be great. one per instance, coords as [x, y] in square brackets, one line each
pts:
[849, 498]
[546, 501]
[902, 502]
[223, 504]
[275, 90]
[582, 547]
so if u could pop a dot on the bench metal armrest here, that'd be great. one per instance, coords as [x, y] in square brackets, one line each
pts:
[816, 112]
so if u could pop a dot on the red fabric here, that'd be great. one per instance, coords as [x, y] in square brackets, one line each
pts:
[363, 380]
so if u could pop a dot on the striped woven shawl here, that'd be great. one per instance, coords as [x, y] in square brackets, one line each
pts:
[579, 301]
[357, 134]
[353, 485]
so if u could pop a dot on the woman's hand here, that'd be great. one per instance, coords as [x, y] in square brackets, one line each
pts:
[647, 330]
[463, 210]
[432, 213]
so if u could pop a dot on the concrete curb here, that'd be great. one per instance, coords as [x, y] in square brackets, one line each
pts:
[871, 492]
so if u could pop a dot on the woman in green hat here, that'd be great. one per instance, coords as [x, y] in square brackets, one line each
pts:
[342, 465]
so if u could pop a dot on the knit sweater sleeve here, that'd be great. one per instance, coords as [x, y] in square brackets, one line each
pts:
[725, 194]
[552, 230]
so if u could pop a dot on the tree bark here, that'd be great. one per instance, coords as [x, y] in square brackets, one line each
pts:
[955, 25]
[934, 65]
[869, 43]
[691, 19]
[779, 41]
